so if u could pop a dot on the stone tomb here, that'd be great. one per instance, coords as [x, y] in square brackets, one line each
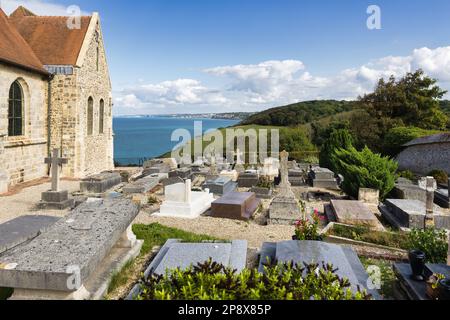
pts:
[296, 177]
[143, 185]
[220, 186]
[235, 205]
[323, 178]
[410, 191]
[248, 179]
[232, 174]
[409, 214]
[442, 197]
[184, 173]
[76, 257]
[175, 254]
[352, 213]
[342, 258]
[182, 202]
[100, 183]
[23, 229]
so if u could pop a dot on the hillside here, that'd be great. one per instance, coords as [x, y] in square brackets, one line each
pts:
[300, 113]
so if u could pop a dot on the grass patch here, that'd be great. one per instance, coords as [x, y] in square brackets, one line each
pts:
[388, 277]
[5, 293]
[153, 235]
[397, 240]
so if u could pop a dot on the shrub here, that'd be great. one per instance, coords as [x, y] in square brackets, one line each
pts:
[338, 139]
[364, 169]
[440, 175]
[152, 200]
[212, 281]
[432, 242]
[406, 174]
[296, 142]
[397, 137]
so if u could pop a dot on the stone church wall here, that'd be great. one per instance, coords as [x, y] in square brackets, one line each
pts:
[424, 158]
[22, 158]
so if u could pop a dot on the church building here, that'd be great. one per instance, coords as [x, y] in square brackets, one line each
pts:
[55, 92]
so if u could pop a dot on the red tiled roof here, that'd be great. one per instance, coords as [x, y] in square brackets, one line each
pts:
[49, 37]
[15, 50]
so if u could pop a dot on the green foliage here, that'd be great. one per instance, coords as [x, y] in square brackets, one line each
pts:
[151, 200]
[397, 137]
[264, 182]
[361, 233]
[5, 293]
[339, 139]
[413, 99]
[212, 281]
[364, 169]
[388, 277]
[406, 174]
[299, 113]
[440, 175]
[321, 132]
[430, 241]
[296, 142]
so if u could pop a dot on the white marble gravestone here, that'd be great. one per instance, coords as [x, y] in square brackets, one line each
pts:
[182, 202]
[271, 168]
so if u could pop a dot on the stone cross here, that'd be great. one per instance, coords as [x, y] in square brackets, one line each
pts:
[213, 166]
[55, 163]
[429, 216]
[285, 185]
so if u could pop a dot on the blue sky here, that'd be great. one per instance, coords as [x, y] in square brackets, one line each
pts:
[169, 56]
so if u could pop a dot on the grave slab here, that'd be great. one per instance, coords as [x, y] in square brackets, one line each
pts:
[74, 246]
[409, 191]
[184, 173]
[442, 198]
[409, 214]
[20, 230]
[248, 179]
[323, 178]
[220, 186]
[342, 258]
[235, 205]
[353, 213]
[143, 185]
[100, 183]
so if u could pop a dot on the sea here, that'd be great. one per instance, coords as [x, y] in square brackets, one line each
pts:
[137, 139]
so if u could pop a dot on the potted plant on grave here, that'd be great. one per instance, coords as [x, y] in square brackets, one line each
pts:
[308, 229]
[438, 287]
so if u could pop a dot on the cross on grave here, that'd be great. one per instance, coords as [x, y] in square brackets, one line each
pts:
[429, 214]
[55, 162]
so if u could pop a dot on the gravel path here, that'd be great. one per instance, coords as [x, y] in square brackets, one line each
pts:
[24, 202]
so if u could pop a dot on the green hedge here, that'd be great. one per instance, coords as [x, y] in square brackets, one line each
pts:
[397, 137]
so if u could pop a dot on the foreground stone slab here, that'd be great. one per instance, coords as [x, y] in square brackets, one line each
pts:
[63, 261]
[23, 229]
[352, 213]
[100, 183]
[409, 214]
[235, 205]
[343, 258]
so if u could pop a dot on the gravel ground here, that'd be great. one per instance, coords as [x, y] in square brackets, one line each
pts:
[24, 201]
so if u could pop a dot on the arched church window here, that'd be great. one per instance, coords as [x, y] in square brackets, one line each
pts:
[101, 117]
[15, 110]
[90, 116]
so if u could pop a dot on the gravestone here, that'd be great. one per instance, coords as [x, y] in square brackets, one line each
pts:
[76, 256]
[100, 183]
[262, 193]
[405, 190]
[248, 179]
[23, 229]
[235, 205]
[143, 185]
[296, 177]
[220, 186]
[409, 214]
[171, 181]
[323, 178]
[442, 197]
[271, 168]
[177, 255]
[182, 202]
[184, 173]
[370, 196]
[55, 198]
[239, 164]
[284, 208]
[352, 213]
[343, 258]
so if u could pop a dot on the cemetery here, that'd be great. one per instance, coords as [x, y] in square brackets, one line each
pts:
[168, 217]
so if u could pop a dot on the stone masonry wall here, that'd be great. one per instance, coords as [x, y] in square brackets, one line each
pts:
[22, 158]
[424, 158]
[96, 150]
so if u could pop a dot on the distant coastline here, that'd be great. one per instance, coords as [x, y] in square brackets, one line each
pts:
[237, 116]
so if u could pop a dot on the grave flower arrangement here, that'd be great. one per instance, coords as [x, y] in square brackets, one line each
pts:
[308, 229]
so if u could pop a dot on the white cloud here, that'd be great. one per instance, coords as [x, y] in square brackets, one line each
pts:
[274, 83]
[39, 7]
